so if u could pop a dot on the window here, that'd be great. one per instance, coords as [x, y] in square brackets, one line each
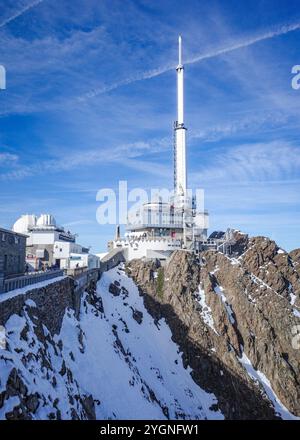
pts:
[16, 240]
[3, 236]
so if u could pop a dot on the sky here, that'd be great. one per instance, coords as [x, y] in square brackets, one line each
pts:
[90, 99]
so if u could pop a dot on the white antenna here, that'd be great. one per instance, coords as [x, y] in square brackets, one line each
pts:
[180, 181]
[179, 51]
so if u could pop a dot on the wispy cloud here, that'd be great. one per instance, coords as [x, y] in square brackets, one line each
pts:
[124, 154]
[234, 162]
[7, 158]
[78, 223]
[131, 79]
[255, 162]
[19, 12]
[282, 30]
[252, 123]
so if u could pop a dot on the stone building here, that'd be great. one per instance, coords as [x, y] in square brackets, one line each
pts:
[12, 253]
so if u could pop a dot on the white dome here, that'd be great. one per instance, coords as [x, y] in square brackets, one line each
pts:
[46, 220]
[24, 222]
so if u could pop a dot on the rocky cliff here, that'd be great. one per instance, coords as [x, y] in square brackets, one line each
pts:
[234, 320]
[206, 337]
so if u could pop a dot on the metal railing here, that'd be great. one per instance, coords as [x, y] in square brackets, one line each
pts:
[76, 271]
[27, 280]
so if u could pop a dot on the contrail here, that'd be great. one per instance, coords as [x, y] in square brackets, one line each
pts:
[20, 12]
[285, 29]
[267, 36]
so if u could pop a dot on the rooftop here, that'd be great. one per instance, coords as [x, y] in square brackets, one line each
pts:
[9, 231]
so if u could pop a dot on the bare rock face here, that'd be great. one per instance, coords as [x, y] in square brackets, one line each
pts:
[234, 319]
[295, 257]
[114, 289]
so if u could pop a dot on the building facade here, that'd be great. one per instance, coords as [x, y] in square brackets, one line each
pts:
[12, 253]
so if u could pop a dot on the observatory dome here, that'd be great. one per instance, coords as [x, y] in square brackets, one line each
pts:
[46, 220]
[23, 223]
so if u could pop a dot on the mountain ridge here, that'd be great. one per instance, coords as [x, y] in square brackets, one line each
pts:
[202, 337]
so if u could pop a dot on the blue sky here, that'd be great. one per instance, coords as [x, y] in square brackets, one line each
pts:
[91, 99]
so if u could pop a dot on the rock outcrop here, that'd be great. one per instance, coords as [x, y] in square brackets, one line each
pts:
[234, 320]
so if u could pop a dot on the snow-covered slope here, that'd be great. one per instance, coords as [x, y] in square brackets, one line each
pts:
[115, 362]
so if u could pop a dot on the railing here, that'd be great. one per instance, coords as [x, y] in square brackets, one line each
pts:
[83, 280]
[27, 280]
[76, 271]
[161, 225]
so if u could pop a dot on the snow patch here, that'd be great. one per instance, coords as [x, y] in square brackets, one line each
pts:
[220, 291]
[206, 312]
[296, 313]
[30, 303]
[262, 380]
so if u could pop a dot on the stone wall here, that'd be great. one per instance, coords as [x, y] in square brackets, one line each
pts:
[112, 259]
[12, 253]
[51, 300]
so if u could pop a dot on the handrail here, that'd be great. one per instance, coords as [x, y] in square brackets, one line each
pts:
[27, 280]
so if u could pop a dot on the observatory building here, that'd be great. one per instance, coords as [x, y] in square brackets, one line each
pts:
[49, 244]
[159, 227]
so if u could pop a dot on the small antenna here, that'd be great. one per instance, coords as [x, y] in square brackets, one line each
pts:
[179, 51]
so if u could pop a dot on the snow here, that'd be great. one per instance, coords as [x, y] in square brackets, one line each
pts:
[157, 361]
[280, 251]
[296, 313]
[206, 312]
[215, 270]
[293, 297]
[262, 284]
[30, 303]
[262, 380]
[220, 291]
[35, 376]
[23, 290]
[132, 370]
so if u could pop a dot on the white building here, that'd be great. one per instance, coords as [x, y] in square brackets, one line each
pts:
[51, 245]
[157, 228]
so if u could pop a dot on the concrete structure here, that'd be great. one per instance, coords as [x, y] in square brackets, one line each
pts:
[112, 259]
[51, 245]
[158, 228]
